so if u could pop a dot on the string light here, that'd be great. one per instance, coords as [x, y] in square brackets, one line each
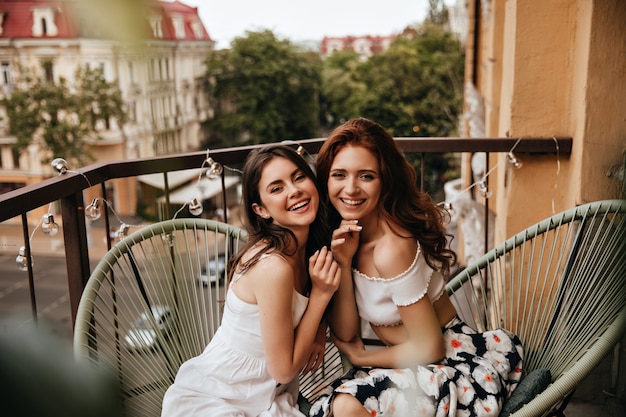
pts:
[49, 226]
[122, 232]
[22, 260]
[482, 185]
[169, 239]
[484, 190]
[215, 169]
[195, 206]
[299, 150]
[448, 211]
[513, 160]
[94, 210]
[60, 165]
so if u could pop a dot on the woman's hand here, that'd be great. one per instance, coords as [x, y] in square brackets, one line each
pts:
[317, 350]
[352, 349]
[324, 271]
[345, 242]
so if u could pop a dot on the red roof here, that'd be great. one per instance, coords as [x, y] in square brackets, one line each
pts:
[18, 19]
[189, 15]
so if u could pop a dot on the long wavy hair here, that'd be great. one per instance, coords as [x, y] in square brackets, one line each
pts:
[401, 203]
[272, 236]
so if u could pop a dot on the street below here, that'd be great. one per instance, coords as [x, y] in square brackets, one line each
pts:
[51, 291]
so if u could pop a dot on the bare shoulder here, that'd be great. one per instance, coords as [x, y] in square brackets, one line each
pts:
[394, 254]
[273, 269]
[264, 280]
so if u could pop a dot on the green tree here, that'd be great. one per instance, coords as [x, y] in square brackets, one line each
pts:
[341, 92]
[262, 90]
[416, 86]
[63, 118]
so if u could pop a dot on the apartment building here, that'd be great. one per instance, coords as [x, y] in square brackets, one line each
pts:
[364, 46]
[154, 51]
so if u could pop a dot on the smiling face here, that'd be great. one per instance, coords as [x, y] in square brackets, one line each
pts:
[287, 194]
[354, 184]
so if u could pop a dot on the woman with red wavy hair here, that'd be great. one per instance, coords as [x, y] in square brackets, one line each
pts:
[392, 247]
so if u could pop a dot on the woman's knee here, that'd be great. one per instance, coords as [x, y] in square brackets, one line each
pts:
[347, 405]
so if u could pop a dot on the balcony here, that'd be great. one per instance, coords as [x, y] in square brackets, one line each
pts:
[83, 244]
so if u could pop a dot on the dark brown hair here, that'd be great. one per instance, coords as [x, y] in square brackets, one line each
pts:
[401, 202]
[275, 237]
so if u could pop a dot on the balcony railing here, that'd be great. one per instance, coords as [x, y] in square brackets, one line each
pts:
[68, 190]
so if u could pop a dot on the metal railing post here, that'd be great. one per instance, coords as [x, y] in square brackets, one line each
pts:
[76, 248]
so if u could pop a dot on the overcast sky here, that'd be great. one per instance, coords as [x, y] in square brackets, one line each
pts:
[306, 21]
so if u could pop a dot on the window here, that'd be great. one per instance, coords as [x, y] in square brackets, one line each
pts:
[166, 143]
[47, 70]
[131, 110]
[155, 24]
[179, 26]
[196, 27]
[5, 73]
[43, 22]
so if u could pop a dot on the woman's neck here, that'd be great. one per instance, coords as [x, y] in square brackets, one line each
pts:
[300, 244]
[373, 228]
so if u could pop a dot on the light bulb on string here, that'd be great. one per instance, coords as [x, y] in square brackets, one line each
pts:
[448, 212]
[484, 191]
[94, 210]
[122, 232]
[22, 260]
[300, 151]
[513, 160]
[60, 165]
[215, 169]
[49, 226]
[195, 206]
[169, 239]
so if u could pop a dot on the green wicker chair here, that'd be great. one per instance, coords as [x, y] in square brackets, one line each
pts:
[154, 301]
[560, 286]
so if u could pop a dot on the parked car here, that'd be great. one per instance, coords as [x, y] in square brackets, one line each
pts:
[216, 270]
[145, 332]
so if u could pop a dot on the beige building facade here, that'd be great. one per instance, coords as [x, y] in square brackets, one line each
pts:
[159, 73]
[538, 68]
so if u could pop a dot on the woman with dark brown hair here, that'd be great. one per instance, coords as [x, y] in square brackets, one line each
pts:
[279, 287]
[392, 247]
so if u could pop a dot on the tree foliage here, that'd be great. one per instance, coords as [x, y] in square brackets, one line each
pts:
[63, 118]
[263, 90]
[414, 88]
[341, 92]
[266, 90]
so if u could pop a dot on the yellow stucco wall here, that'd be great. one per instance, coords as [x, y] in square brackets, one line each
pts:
[553, 68]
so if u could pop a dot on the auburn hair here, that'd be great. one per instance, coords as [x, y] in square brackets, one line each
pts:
[401, 203]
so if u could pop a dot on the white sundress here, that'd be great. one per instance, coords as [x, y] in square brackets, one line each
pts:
[230, 377]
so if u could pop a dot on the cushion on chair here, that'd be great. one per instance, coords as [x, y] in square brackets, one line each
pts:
[532, 385]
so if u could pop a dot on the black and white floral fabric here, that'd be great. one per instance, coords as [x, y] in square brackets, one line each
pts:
[479, 371]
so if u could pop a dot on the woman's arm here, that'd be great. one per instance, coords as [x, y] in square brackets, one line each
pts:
[287, 351]
[419, 340]
[344, 318]
[424, 344]
[318, 348]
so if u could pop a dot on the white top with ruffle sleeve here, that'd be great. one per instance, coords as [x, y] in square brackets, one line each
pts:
[378, 298]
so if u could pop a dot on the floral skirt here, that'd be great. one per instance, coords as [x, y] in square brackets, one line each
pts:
[479, 371]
